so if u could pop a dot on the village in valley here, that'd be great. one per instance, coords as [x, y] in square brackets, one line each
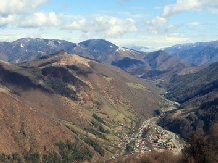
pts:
[150, 137]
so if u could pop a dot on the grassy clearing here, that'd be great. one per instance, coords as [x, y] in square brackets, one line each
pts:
[137, 86]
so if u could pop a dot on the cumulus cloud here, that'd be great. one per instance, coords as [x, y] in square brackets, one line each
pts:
[10, 7]
[104, 25]
[40, 19]
[158, 21]
[186, 5]
[4, 21]
[76, 25]
[156, 25]
[180, 6]
[92, 26]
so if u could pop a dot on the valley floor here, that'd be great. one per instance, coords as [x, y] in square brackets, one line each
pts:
[150, 137]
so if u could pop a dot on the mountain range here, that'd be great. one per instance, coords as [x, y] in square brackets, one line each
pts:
[138, 63]
[200, 53]
[27, 49]
[61, 100]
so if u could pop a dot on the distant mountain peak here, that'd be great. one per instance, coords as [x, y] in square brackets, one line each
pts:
[98, 44]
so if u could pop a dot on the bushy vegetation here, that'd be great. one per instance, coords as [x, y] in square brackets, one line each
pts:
[100, 127]
[31, 157]
[93, 131]
[73, 130]
[157, 112]
[51, 158]
[99, 119]
[95, 145]
[14, 158]
[74, 152]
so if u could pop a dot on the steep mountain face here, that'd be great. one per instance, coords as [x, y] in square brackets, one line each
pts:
[198, 94]
[24, 128]
[158, 66]
[184, 87]
[62, 97]
[201, 53]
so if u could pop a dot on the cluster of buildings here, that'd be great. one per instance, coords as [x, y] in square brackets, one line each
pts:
[149, 137]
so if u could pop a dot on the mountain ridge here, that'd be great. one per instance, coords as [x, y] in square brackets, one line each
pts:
[99, 50]
[200, 53]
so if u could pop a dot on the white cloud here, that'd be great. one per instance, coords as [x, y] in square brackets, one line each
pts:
[4, 21]
[158, 21]
[10, 7]
[180, 6]
[76, 25]
[103, 25]
[40, 19]
[158, 24]
[185, 5]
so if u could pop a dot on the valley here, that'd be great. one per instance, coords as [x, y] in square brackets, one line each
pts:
[112, 104]
[150, 137]
[115, 81]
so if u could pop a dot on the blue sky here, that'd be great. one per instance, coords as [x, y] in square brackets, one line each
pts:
[150, 23]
